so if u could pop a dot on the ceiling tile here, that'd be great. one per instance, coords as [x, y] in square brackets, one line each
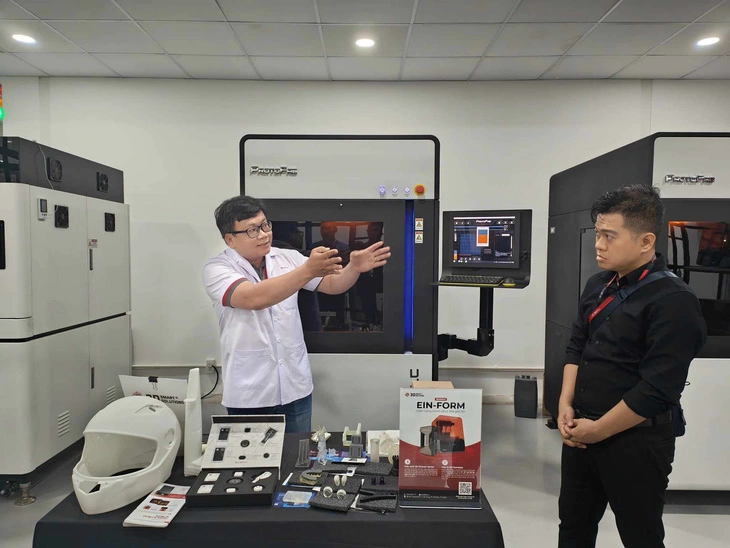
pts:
[660, 11]
[48, 40]
[463, 11]
[280, 39]
[390, 41]
[513, 68]
[561, 11]
[217, 67]
[365, 13]
[719, 15]
[73, 9]
[12, 66]
[199, 38]
[107, 36]
[10, 10]
[527, 39]
[67, 64]
[429, 68]
[685, 43]
[173, 10]
[594, 66]
[155, 65]
[359, 68]
[664, 66]
[450, 40]
[269, 11]
[291, 68]
[624, 38]
[718, 69]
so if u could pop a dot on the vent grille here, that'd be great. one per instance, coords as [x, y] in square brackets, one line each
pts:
[64, 423]
[111, 394]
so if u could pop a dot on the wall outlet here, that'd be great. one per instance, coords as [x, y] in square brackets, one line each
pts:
[210, 363]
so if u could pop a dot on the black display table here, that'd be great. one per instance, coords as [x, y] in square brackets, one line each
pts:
[270, 527]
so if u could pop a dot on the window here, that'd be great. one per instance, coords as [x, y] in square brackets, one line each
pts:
[699, 252]
[360, 309]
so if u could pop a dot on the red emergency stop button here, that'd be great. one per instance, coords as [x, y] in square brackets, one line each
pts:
[420, 190]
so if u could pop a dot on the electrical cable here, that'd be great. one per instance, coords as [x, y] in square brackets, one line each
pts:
[45, 163]
[45, 172]
[217, 378]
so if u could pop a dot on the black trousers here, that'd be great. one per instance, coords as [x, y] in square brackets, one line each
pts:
[630, 472]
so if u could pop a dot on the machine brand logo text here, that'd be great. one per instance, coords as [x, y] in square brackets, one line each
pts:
[440, 405]
[274, 171]
[414, 395]
[689, 179]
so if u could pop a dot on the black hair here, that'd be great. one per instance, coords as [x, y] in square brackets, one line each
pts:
[236, 209]
[640, 205]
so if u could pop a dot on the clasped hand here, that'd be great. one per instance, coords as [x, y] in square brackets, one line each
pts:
[577, 432]
[585, 431]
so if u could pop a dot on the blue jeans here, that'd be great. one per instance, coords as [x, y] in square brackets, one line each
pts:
[298, 413]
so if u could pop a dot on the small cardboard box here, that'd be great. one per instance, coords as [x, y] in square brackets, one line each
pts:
[432, 384]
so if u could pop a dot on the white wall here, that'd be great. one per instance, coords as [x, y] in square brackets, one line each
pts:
[177, 143]
[21, 96]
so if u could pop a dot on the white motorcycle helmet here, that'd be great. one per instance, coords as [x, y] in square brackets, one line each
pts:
[129, 449]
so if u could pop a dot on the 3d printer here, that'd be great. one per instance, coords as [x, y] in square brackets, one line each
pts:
[444, 435]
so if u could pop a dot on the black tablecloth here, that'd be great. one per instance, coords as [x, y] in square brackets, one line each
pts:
[270, 527]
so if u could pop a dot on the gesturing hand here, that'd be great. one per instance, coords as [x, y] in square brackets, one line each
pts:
[371, 257]
[324, 261]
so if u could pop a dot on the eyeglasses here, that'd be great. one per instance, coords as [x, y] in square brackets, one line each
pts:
[253, 232]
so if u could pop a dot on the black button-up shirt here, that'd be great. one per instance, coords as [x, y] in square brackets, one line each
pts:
[642, 351]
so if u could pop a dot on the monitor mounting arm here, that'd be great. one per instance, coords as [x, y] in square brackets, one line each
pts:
[484, 343]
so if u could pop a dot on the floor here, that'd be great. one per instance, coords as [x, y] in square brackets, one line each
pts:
[520, 476]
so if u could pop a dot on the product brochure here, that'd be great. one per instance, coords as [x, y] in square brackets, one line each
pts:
[440, 448]
[160, 506]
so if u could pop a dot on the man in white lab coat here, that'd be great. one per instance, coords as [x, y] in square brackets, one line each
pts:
[254, 292]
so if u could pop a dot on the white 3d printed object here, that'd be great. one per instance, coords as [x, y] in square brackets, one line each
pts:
[137, 435]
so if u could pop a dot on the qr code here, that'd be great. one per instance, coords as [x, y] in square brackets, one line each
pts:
[465, 488]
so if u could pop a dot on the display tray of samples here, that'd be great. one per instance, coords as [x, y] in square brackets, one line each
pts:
[341, 481]
[291, 520]
[242, 461]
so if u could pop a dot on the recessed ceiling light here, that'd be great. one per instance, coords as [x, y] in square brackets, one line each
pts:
[708, 41]
[365, 43]
[23, 38]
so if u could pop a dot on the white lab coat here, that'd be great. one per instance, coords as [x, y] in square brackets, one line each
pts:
[264, 357]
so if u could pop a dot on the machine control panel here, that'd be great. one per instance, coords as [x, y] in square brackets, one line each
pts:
[405, 192]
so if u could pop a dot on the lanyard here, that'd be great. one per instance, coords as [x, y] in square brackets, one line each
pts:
[610, 298]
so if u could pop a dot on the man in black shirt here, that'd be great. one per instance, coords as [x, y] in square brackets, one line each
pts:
[624, 369]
